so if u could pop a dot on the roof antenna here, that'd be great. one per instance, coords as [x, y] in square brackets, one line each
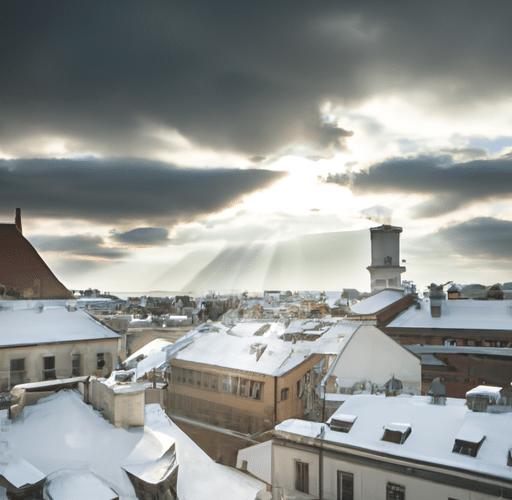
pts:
[17, 220]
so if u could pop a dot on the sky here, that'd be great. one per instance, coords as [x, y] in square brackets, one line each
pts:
[154, 145]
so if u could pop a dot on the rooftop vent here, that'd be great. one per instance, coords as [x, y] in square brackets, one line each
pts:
[393, 386]
[479, 398]
[437, 392]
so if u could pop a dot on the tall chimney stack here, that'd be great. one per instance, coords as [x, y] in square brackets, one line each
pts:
[17, 220]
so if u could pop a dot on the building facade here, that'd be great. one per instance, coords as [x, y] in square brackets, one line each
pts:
[389, 448]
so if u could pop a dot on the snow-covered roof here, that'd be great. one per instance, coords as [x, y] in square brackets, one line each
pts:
[214, 346]
[456, 349]
[375, 303]
[47, 322]
[458, 315]
[228, 351]
[62, 433]
[429, 441]
[66, 484]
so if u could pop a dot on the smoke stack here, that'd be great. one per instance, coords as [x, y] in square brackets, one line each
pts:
[17, 220]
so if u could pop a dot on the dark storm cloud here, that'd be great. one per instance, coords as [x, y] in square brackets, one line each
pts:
[143, 236]
[80, 245]
[130, 191]
[243, 75]
[450, 185]
[483, 237]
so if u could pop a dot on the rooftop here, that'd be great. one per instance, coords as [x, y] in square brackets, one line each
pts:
[31, 322]
[458, 315]
[428, 441]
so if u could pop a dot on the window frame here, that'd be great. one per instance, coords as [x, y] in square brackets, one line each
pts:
[49, 372]
[302, 476]
[395, 491]
[344, 485]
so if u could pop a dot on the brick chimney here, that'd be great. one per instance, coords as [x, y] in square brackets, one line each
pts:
[17, 220]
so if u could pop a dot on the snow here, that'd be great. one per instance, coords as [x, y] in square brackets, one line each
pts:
[50, 323]
[62, 433]
[17, 470]
[434, 430]
[490, 392]
[459, 315]
[375, 303]
[77, 484]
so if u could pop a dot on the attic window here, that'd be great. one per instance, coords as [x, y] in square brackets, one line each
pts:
[396, 433]
[467, 447]
[342, 423]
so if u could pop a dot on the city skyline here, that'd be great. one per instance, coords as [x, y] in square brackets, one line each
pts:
[142, 139]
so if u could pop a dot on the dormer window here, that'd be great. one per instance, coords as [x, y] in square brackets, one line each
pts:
[509, 457]
[342, 423]
[396, 433]
[465, 447]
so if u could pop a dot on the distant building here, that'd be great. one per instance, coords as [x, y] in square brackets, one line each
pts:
[393, 448]
[385, 269]
[465, 342]
[23, 273]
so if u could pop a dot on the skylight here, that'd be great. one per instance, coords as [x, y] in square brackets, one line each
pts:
[342, 423]
[467, 447]
[396, 433]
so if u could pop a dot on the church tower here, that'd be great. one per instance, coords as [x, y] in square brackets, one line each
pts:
[385, 269]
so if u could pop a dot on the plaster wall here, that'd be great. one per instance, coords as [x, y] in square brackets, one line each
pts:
[369, 482]
[63, 353]
[372, 356]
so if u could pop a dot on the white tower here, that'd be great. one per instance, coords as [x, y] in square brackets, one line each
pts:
[385, 270]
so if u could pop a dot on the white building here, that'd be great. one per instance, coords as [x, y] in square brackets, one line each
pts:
[44, 339]
[391, 448]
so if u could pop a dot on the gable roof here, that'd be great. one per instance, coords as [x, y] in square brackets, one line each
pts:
[23, 270]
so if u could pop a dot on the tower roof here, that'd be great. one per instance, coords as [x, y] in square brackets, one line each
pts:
[22, 270]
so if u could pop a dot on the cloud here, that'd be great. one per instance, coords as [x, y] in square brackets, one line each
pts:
[143, 236]
[482, 237]
[378, 213]
[450, 185]
[248, 78]
[113, 191]
[79, 245]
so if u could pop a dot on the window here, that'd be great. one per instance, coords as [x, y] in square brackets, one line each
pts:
[396, 433]
[100, 361]
[300, 388]
[302, 476]
[244, 388]
[345, 486]
[75, 365]
[284, 394]
[395, 492]
[17, 371]
[49, 368]
[229, 384]
[467, 447]
[255, 390]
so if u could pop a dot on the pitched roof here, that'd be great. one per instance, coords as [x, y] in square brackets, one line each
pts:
[23, 270]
